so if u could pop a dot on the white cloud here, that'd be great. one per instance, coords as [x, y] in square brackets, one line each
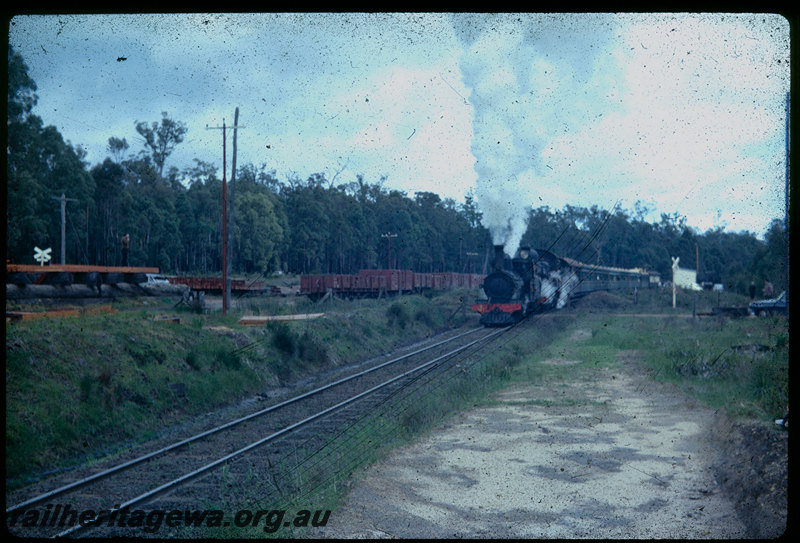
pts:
[685, 112]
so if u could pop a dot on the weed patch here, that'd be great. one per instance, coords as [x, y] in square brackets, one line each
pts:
[740, 365]
[397, 315]
[284, 339]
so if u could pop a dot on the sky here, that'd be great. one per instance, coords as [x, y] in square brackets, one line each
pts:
[683, 113]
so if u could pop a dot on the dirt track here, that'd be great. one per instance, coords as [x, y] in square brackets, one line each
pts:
[638, 460]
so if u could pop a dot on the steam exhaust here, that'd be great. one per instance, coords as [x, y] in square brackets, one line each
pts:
[499, 257]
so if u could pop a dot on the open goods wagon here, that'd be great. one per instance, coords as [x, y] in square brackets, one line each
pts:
[384, 282]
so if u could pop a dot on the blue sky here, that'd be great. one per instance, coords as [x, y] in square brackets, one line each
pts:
[682, 112]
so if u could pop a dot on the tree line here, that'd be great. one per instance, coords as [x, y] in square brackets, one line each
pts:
[312, 225]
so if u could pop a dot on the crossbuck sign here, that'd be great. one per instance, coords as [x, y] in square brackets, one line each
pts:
[41, 255]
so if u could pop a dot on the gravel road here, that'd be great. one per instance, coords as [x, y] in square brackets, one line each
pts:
[610, 455]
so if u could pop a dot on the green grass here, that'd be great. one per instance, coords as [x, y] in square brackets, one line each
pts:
[89, 385]
[86, 386]
[709, 358]
[81, 385]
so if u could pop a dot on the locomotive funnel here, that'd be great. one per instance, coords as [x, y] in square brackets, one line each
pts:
[498, 257]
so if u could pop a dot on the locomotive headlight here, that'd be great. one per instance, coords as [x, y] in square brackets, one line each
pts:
[524, 254]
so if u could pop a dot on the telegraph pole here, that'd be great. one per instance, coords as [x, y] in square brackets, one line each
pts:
[64, 201]
[675, 260]
[696, 260]
[389, 237]
[470, 255]
[229, 254]
[225, 262]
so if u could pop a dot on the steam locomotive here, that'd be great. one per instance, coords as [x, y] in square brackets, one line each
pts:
[538, 280]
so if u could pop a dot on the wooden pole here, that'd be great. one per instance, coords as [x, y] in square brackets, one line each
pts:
[389, 237]
[63, 199]
[224, 225]
[674, 273]
[229, 253]
[225, 256]
[63, 229]
[696, 261]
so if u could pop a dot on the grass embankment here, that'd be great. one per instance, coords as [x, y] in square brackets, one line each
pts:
[86, 386]
[739, 366]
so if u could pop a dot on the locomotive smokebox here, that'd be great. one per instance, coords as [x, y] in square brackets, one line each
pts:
[499, 256]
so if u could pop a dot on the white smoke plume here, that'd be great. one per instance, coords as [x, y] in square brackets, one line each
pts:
[531, 78]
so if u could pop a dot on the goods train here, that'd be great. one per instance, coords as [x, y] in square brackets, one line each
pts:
[371, 283]
[537, 280]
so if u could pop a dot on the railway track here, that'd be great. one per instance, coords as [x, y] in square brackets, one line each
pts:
[269, 453]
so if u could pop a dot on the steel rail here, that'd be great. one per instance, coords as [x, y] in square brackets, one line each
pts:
[216, 463]
[126, 465]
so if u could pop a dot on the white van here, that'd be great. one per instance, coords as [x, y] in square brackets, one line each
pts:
[155, 280]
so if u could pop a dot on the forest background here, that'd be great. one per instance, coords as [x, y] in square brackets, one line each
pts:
[313, 225]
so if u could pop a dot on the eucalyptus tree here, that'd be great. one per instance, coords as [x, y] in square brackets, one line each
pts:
[306, 209]
[200, 218]
[111, 201]
[40, 167]
[21, 88]
[258, 233]
[161, 138]
[117, 148]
